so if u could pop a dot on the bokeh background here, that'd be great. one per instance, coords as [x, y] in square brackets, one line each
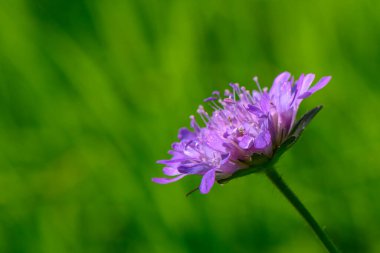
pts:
[92, 93]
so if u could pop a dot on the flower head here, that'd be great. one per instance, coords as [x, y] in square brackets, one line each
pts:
[246, 131]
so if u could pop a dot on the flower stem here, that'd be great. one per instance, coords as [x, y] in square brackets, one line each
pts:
[293, 199]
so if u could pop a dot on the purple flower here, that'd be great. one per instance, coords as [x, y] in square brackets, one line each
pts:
[245, 132]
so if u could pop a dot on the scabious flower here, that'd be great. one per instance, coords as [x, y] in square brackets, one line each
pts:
[245, 130]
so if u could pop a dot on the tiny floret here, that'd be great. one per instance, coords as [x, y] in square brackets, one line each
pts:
[245, 131]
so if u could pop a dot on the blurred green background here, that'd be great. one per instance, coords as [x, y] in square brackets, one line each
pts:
[92, 93]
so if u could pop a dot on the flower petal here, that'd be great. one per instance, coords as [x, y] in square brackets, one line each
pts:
[169, 171]
[255, 110]
[235, 86]
[262, 140]
[246, 142]
[322, 83]
[207, 182]
[280, 79]
[167, 180]
[194, 124]
[305, 84]
[225, 158]
[196, 169]
[185, 134]
[210, 99]
[168, 162]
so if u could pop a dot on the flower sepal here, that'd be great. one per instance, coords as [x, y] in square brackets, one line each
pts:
[259, 163]
[296, 132]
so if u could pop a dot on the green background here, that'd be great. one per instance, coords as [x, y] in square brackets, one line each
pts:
[92, 93]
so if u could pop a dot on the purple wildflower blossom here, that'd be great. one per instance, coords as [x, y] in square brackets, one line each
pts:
[244, 126]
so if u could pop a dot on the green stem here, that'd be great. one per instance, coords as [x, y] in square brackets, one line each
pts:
[293, 199]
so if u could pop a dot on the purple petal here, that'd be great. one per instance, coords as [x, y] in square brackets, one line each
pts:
[229, 100]
[286, 119]
[235, 86]
[280, 79]
[194, 124]
[305, 95]
[209, 99]
[298, 84]
[304, 86]
[255, 110]
[262, 140]
[169, 171]
[185, 134]
[216, 93]
[322, 83]
[167, 180]
[246, 142]
[176, 146]
[265, 103]
[176, 151]
[167, 162]
[196, 169]
[225, 158]
[309, 78]
[207, 182]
